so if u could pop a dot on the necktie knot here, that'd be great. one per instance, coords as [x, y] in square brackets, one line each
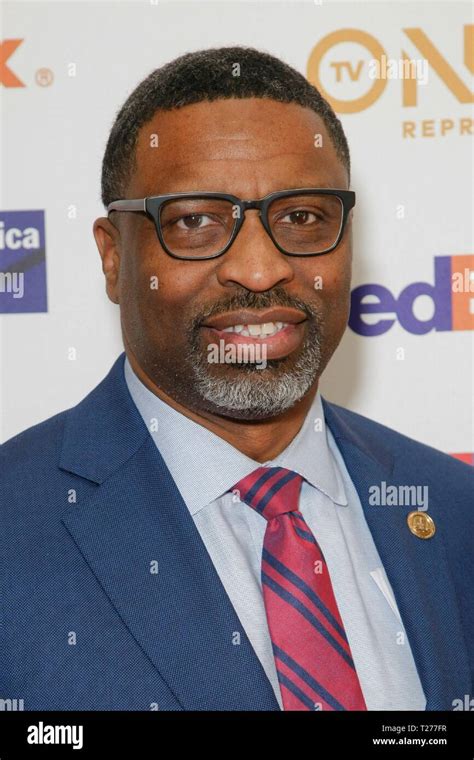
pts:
[271, 491]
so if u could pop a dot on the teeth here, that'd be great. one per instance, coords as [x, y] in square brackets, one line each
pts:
[256, 331]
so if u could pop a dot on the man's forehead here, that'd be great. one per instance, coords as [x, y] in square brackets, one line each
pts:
[228, 140]
[235, 118]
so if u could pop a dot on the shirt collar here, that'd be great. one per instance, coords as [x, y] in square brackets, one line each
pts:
[205, 466]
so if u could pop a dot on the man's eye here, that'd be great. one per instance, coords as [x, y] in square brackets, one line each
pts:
[300, 216]
[193, 221]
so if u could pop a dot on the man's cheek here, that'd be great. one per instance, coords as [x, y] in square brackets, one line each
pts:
[175, 299]
[163, 313]
[175, 285]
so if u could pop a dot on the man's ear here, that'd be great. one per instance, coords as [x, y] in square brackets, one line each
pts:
[107, 238]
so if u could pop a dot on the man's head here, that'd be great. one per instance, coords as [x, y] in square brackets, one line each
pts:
[230, 120]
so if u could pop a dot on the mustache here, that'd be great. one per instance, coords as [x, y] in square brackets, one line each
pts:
[251, 300]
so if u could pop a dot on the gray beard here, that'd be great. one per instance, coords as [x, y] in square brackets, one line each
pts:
[252, 393]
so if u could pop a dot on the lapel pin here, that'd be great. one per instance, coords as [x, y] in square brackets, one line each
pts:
[421, 524]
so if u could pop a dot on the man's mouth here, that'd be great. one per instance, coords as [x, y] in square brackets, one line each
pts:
[267, 329]
[279, 330]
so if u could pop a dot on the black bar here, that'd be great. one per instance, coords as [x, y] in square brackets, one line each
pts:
[154, 734]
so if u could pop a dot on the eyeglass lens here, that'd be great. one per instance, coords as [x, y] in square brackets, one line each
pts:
[203, 226]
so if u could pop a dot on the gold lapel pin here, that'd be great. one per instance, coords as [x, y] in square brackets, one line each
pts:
[421, 524]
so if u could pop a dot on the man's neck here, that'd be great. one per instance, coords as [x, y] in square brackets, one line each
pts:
[261, 440]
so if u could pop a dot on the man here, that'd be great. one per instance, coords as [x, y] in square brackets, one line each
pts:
[200, 532]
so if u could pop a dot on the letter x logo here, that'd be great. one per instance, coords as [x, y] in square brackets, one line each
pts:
[7, 77]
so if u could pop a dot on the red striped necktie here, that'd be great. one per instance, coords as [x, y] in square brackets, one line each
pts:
[312, 654]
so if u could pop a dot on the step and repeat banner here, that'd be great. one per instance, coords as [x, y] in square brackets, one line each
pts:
[400, 77]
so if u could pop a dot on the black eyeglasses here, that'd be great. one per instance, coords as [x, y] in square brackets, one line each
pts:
[196, 226]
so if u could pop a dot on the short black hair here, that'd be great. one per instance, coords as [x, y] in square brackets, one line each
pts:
[207, 75]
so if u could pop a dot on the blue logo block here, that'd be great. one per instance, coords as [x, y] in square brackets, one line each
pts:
[22, 262]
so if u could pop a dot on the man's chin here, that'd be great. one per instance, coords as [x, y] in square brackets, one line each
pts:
[247, 392]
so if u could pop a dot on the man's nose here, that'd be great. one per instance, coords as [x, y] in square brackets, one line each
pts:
[253, 261]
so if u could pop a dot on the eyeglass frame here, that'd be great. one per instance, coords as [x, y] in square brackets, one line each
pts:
[151, 206]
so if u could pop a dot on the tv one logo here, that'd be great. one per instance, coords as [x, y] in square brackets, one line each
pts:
[375, 309]
[350, 71]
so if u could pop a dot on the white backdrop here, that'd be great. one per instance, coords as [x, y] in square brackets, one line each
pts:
[415, 195]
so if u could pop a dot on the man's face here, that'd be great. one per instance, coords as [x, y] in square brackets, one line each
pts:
[173, 311]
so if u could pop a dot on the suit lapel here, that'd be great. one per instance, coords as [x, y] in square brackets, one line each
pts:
[417, 569]
[141, 543]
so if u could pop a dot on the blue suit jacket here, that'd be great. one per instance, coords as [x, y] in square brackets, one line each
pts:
[87, 507]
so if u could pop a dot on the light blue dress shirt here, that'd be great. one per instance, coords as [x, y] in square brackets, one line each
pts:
[205, 466]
